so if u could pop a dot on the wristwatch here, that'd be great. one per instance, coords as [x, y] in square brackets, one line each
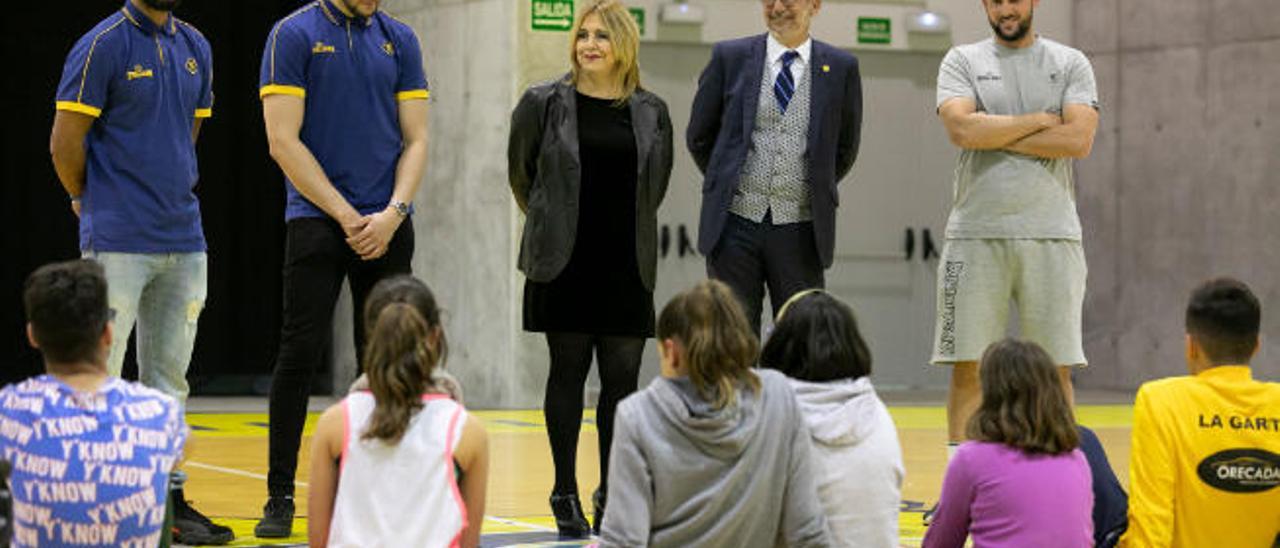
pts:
[401, 208]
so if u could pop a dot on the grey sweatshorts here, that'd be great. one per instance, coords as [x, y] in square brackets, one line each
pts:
[977, 279]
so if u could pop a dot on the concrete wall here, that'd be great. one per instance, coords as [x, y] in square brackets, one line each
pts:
[1181, 184]
[465, 228]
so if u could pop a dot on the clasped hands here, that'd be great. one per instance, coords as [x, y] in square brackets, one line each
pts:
[370, 235]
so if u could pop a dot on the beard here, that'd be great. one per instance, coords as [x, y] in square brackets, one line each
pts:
[354, 7]
[162, 5]
[1024, 26]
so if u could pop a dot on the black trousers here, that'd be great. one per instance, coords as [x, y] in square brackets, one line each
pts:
[316, 260]
[751, 256]
[619, 368]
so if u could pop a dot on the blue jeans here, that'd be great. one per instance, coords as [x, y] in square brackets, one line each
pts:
[164, 293]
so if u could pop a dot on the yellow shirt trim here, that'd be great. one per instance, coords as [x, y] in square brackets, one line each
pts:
[413, 94]
[82, 108]
[204, 112]
[1231, 373]
[277, 89]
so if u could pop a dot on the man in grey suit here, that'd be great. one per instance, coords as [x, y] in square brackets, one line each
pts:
[775, 126]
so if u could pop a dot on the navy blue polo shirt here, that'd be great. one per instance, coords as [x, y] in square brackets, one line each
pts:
[352, 72]
[145, 84]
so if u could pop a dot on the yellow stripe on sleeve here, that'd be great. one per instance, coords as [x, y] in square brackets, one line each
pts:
[277, 89]
[84, 74]
[275, 34]
[413, 94]
[82, 108]
[204, 112]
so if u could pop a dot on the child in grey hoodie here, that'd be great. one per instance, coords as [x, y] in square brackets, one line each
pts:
[711, 453]
[856, 456]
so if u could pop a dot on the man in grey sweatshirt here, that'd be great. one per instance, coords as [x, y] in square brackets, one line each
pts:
[684, 473]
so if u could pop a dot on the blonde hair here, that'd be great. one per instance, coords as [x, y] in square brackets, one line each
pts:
[719, 346]
[624, 36]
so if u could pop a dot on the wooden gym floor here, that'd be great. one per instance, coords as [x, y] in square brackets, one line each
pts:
[228, 465]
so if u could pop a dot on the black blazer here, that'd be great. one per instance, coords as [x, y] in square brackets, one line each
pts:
[545, 175]
[724, 115]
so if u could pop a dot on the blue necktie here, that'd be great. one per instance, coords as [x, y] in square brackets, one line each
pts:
[784, 86]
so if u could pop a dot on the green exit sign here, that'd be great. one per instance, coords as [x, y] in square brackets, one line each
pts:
[874, 30]
[638, 15]
[552, 14]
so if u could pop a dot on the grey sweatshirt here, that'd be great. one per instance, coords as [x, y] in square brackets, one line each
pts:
[684, 474]
[857, 461]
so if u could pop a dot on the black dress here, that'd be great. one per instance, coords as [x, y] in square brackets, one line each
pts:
[599, 291]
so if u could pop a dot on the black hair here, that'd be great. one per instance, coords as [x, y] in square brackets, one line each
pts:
[66, 306]
[1223, 317]
[816, 339]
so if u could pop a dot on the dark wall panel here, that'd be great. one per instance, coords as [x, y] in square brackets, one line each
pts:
[241, 190]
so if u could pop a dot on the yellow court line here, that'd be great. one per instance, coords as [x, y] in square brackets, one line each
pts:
[1105, 416]
[243, 529]
[531, 421]
[1093, 416]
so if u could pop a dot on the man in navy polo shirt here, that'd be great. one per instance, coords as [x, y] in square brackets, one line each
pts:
[344, 99]
[133, 93]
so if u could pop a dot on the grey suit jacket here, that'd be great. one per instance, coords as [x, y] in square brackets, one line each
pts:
[544, 171]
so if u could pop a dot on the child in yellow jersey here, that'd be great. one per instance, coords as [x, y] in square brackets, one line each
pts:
[1204, 467]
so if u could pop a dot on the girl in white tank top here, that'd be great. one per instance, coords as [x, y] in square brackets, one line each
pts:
[385, 462]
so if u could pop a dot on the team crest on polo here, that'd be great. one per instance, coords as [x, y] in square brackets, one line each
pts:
[137, 72]
[1241, 470]
[388, 48]
[191, 65]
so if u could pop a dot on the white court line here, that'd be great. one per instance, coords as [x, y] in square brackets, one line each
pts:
[516, 523]
[234, 472]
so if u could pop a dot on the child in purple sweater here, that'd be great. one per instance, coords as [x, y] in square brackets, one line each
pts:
[1020, 481]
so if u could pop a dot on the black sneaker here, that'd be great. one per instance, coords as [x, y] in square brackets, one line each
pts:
[277, 519]
[927, 518]
[191, 527]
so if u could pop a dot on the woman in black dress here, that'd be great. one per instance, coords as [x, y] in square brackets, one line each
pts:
[590, 157]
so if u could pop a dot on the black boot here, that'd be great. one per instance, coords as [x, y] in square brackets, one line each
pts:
[570, 520]
[597, 502]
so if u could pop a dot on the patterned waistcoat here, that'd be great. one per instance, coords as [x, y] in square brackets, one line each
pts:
[775, 174]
